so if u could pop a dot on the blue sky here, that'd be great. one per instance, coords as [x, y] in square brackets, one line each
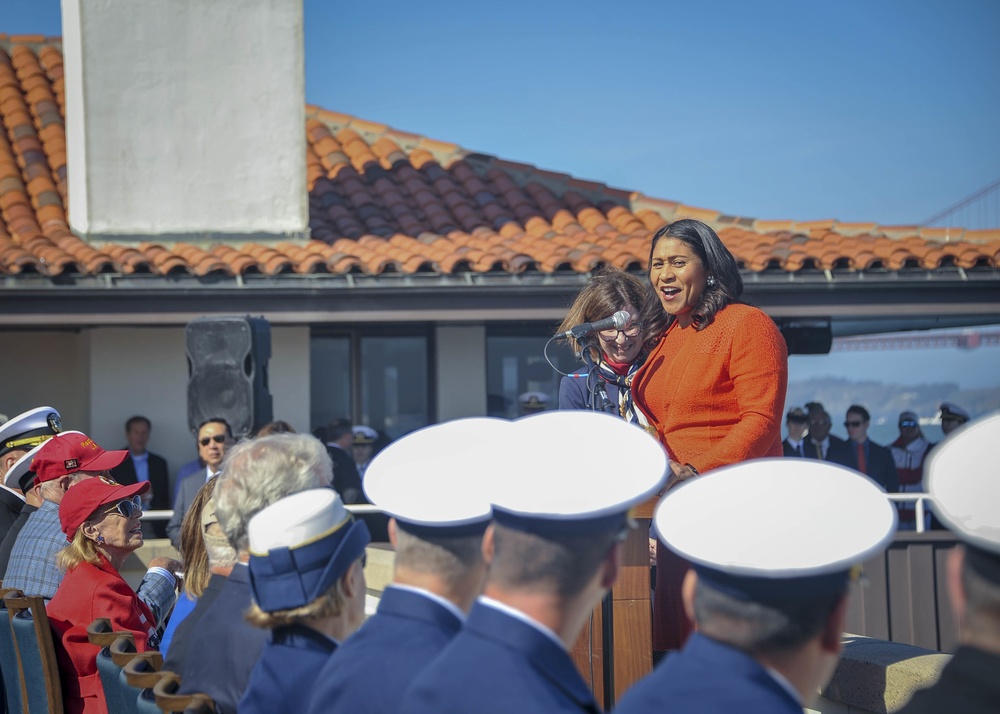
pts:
[860, 110]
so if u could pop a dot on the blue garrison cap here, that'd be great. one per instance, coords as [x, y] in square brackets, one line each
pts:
[300, 546]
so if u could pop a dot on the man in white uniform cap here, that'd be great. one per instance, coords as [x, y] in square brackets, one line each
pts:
[433, 484]
[560, 511]
[772, 552]
[964, 482]
[19, 435]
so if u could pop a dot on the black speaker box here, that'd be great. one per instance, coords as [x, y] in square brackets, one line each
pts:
[812, 338]
[227, 372]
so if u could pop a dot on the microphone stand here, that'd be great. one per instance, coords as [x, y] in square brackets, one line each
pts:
[598, 401]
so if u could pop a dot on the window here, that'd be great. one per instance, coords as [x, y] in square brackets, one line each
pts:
[516, 364]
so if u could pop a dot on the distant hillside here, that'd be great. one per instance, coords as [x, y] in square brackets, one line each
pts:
[886, 401]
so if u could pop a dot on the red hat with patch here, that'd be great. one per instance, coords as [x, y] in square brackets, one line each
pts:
[70, 452]
[83, 498]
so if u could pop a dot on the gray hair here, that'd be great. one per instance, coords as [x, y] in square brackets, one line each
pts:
[259, 472]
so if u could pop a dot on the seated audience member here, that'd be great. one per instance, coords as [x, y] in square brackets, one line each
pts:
[439, 568]
[873, 460]
[63, 461]
[552, 559]
[909, 451]
[21, 477]
[952, 417]
[797, 424]
[100, 519]
[214, 439]
[143, 465]
[962, 479]
[821, 444]
[275, 427]
[196, 563]
[221, 651]
[769, 608]
[308, 581]
[17, 437]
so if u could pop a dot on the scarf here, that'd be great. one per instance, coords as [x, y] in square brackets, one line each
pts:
[621, 375]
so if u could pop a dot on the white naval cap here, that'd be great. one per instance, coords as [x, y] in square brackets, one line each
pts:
[364, 434]
[576, 472]
[964, 483]
[20, 475]
[299, 546]
[29, 429]
[777, 529]
[437, 480]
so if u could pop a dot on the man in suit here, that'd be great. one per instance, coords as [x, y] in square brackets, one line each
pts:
[222, 651]
[552, 558]
[769, 612]
[214, 437]
[821, 444]
[143, 465]
[868, 457]
[962, 480]
[439, 568]
[18, 436]
[796, 422]
[346, 479]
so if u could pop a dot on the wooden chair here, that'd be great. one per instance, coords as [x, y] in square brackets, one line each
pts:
[168, 700]
[101, 634]
[10, 661]
[141, 674]
[33, 639]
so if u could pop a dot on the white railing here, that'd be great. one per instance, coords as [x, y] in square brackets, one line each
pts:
[166, 515]
[917, 497]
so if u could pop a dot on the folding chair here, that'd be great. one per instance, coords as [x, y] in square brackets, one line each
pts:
[33, 639]
[168, 700]
[10, 662]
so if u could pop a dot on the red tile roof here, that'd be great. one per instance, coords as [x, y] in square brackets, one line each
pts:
[382, 200]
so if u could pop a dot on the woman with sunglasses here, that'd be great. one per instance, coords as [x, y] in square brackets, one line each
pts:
[100, 518]
[615, 354]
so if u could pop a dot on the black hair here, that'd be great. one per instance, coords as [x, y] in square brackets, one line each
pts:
[136, 420]
[217, 420]
[859, 410]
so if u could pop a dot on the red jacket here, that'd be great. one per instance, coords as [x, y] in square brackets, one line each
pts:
[87, 593]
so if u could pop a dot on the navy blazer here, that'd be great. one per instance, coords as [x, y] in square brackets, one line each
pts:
[373, 667]
[286, 672]
[574, 393]
[10, 509]
[187, 489]
[708, 677]
[838, 451]
[880, 465]
[499, 664]
[159, 481]
[222, 651]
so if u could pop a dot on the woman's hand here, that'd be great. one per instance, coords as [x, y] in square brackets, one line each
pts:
[679, 472]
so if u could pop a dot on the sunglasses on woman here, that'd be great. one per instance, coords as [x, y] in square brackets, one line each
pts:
[127, 508]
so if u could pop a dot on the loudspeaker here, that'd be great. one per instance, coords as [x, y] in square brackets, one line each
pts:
[813, 337]
[227, 372]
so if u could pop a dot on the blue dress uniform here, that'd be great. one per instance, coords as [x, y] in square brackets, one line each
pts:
[376, 665]
[287, 670]
[708, 677]
[500, 664]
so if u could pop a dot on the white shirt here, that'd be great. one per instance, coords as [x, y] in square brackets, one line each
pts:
[141, 464]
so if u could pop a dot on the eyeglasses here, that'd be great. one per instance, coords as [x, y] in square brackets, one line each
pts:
[127, 508]
[612, 334]
[908, 422]
[852, 424]
[218, 439]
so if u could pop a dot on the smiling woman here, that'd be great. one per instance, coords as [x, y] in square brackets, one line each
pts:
[712, 388]
[100, 518]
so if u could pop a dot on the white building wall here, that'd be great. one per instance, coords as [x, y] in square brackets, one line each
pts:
[461, 371]
[46, 368]
[185, 117]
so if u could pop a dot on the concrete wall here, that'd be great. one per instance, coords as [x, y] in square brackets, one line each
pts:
[185, 117]
[98, 378]
[461, 371]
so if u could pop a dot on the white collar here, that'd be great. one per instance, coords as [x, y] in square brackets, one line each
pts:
[518, 615]
[785, 684]
[443, 602]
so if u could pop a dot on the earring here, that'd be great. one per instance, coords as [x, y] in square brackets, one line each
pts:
[711, 281]
[100, 540]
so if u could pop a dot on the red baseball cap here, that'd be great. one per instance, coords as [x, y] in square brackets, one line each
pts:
[70, 452]
[86, 496]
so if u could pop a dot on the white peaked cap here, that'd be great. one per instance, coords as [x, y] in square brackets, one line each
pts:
[576, 471]
[777, 520]
[296, 520]
[441, 476]
[963, 478]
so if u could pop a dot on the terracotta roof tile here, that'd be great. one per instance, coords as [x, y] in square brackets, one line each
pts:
[383, 200]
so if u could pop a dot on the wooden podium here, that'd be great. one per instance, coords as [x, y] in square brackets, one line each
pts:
[631, 624]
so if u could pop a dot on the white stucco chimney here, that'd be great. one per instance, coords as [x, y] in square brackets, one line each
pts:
[185, 119]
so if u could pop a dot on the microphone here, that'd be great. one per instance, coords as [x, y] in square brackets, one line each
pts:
[617, 321]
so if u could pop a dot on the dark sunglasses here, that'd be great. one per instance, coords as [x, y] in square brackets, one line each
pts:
[850, 424]
[908, 422]
[127, 508]
[218, 439]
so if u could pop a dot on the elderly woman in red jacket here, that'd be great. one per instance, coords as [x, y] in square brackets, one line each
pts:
[101, 521]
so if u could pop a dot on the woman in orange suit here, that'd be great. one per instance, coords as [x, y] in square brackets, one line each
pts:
[713, 388]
